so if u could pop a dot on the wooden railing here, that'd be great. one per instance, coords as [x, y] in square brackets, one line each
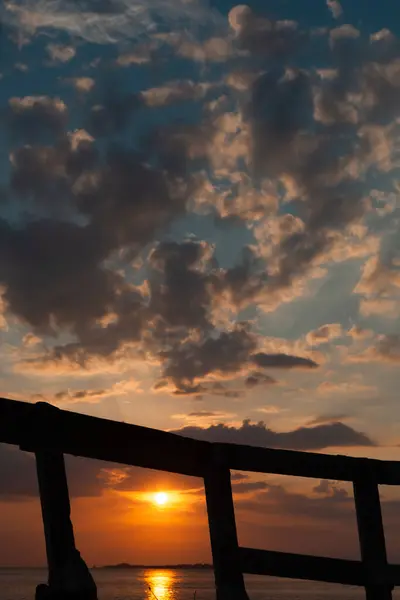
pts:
[50, 433]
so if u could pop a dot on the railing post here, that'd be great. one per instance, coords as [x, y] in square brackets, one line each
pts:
[371, 536]
[228, 575]
[69, 577]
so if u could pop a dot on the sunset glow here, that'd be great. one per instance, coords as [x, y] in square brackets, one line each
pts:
[161, 498]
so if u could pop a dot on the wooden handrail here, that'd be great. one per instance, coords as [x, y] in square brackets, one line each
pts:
[36, 426]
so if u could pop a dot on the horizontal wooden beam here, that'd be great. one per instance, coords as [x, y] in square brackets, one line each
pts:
[312, 568]
[307, 464]
[42, 426]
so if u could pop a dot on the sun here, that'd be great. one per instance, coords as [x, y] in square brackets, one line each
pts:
[161, 498]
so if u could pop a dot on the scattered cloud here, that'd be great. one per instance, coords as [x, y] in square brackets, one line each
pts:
[332, 434]
[345, 387]
[83, 84]
[324, 334]
[274, 158]
[30, 115]
[60, 53]
[385, 350]
[335, 8]
[328, 418]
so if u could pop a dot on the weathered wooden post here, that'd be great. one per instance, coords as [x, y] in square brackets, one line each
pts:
[228, 575]
[371, 535]
[69, 577]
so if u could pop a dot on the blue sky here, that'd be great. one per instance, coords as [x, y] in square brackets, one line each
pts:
[200, 212]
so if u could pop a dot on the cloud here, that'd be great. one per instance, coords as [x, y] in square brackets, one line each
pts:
[82, 84]
[383, 307]
[262, 36]
[174, 92]
[72, 396]
[116, 22]
[329, 418]
[379, 287]
[30, 116]
[113, 113]
[60, 53]
[385, 350]
[226, 355]
[324, 334]
[282, 361]
[344, 32]
[346, 387]
[335, 8]
[214, 49]
[258, 378]
[333, 434]
[246, 487]
[33, 260]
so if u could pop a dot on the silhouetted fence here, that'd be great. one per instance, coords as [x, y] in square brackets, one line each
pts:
[50, 433]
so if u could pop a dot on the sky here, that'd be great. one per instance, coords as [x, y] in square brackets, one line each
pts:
[199, 232]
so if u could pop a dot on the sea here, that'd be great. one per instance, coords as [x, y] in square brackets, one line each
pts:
[168, 584]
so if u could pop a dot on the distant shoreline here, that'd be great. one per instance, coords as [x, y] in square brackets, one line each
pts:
[176, 567]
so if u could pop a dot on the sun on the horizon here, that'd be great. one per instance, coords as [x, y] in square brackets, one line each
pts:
[161, 498]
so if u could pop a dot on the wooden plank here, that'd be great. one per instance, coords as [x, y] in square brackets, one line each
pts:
[312, 568]
[305, 464]
[229, 580]
[301, 566]
[103, 439]
[36, 426]
[371, 534]
[68, 573]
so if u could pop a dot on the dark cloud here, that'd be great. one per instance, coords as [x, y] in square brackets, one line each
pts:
[47, 263]
[243, 282]
[180, 294]
[41, 173]
[31, 117]
[258, 378]
[307, 132]
[329, 418]
[45, 266]
[249, 486]
[184, 289]
[236, 476]
[17, 473]
[387, 348]
[265, 37]
[282, 361]
[113, 114]
[280, 109]
[258, 434]
[225, 354]
[79, 395]
[333, 504]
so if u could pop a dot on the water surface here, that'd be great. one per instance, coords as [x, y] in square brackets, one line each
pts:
[149, 584]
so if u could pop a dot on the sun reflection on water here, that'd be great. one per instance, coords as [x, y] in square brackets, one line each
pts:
[160, 585]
